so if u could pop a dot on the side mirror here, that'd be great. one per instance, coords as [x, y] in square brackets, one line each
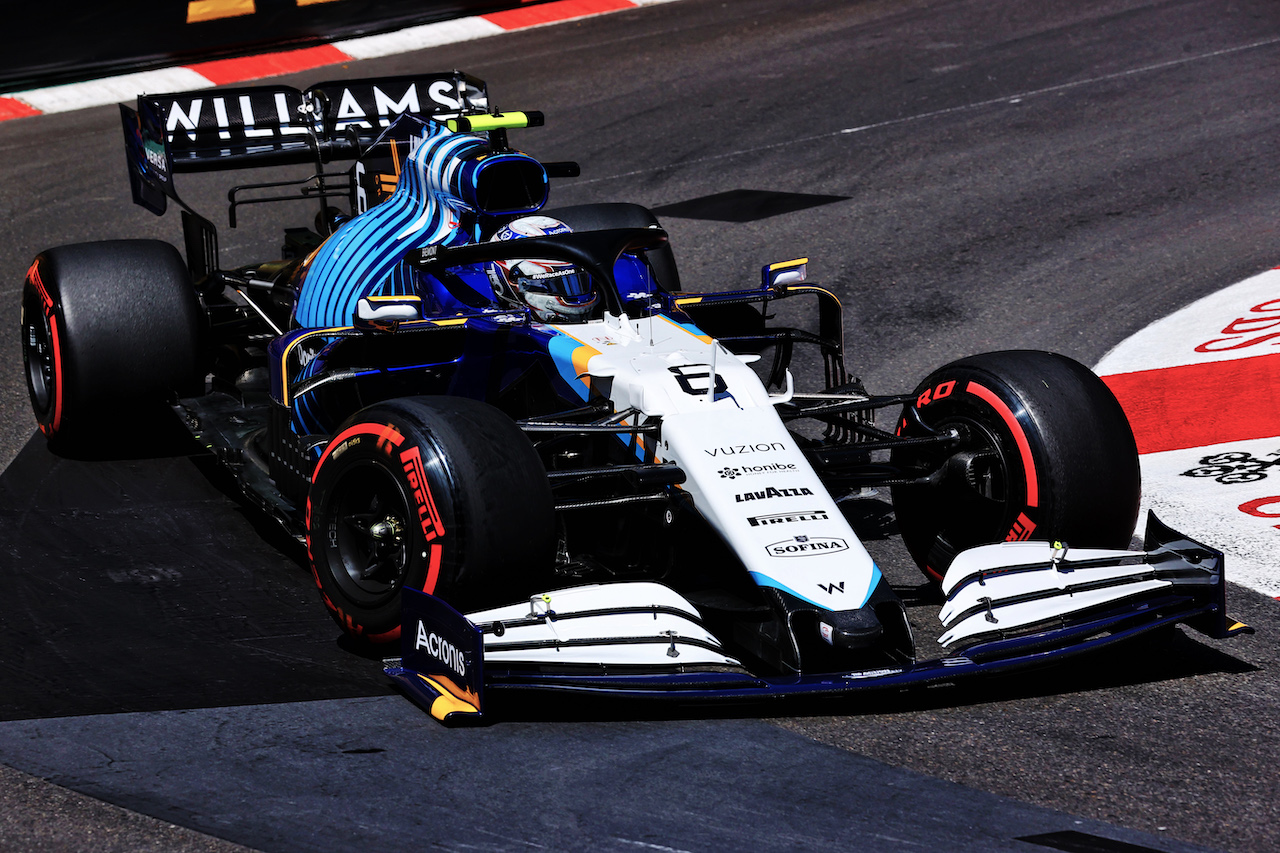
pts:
[783, 273]
[386, 313]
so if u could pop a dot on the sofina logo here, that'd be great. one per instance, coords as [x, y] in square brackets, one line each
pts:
[807, 546]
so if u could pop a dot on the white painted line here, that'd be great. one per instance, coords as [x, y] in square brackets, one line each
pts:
[418, 38]
[1240, 321]
[110, 90]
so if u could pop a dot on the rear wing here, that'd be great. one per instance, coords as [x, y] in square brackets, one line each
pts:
[277, 125]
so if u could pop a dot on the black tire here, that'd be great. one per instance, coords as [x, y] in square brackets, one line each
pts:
[1046, 453]
[599, 217]
[463, 501]
[109, 331]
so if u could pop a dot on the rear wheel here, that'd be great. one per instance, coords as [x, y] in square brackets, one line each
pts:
[445, 495]
[109, 331]
[1043, 451]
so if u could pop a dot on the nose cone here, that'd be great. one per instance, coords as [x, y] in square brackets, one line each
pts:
[851, 629]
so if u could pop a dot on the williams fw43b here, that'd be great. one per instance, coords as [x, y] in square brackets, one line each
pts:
[512, 442]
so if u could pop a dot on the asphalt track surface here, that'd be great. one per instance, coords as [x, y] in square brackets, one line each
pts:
[1056, 177]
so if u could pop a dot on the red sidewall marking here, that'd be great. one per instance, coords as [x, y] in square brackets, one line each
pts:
[55, 420]
[383, 431]
[433, 570]
[55, 423]
[1217, 402]
[1020, 437]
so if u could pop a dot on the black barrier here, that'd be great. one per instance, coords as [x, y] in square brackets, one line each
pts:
[47, 43]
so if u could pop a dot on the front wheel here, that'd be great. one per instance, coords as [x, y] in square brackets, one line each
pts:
[1042, 450]
[445, 495]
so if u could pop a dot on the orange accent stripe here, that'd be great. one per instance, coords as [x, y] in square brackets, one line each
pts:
[546, 13]
[441, 681]
[1196, 405]
[224, 71]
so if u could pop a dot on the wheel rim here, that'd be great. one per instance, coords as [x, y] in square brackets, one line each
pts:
[37, 351]
[974, 500]
[367, 534]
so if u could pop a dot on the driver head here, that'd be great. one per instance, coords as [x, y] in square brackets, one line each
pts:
[555, 291]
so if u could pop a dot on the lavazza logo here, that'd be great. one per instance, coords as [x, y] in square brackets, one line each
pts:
[807, 546]
[771, 492]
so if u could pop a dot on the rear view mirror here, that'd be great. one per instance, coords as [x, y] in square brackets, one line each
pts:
[386, 313]
[784, 273]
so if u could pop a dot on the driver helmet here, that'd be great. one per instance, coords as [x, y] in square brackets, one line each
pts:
[554, 290]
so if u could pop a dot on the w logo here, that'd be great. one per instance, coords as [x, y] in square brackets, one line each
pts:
[832, 588]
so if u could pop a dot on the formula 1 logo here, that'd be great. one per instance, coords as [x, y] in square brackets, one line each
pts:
[1234, 467]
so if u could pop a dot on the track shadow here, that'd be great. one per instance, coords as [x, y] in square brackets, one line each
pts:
[137, 586]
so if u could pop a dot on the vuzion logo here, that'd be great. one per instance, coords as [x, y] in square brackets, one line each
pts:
[740, 449]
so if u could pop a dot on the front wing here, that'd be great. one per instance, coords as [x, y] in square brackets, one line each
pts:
[602, 646]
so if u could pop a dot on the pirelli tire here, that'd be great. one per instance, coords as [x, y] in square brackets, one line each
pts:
[442, 494]
[1044, 452]
[605, 215]
[109, 331]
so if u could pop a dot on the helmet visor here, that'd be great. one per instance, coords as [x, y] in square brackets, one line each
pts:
[567, 282]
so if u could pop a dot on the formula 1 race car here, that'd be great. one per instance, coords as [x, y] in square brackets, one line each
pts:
[467, 403]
